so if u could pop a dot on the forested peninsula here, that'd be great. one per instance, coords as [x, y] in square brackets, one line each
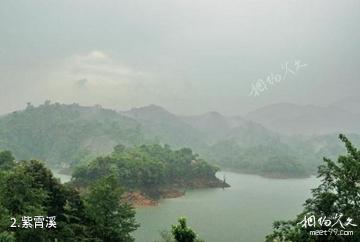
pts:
[150, 172]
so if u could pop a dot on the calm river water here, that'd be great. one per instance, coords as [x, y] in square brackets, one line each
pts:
[242, 213]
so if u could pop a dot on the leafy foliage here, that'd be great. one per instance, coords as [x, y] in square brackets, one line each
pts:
[28, 188]
[147, 166]
[61, 133]
[183, 233]
[179, 233]
[339, 194]
[270, 159]
[6, 160]
[68, 135]
[114, 220]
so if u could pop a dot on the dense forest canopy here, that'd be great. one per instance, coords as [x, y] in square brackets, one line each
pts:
[29, 190]
[65, 133]
[68, 135]
[99, 213]
[148, 168]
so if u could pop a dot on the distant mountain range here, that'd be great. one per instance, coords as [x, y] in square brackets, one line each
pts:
[165, 127]
[213, 125]
[261, 142]
[287, 118]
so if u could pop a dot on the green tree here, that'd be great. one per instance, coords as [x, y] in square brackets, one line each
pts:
[20, 197]
[338, 194]
[7, 160]
[183, 233]
[7, 237]
[29, 189]
[113, 220]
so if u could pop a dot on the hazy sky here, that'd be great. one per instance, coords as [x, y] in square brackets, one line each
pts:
[190, 56]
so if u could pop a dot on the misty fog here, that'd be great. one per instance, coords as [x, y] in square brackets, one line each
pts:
[187, 56]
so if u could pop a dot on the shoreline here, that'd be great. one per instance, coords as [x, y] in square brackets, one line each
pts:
[150, 198]
[269, 175]
[139, 199]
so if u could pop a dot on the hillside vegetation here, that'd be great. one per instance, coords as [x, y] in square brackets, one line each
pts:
[152, 170]
[68, 135]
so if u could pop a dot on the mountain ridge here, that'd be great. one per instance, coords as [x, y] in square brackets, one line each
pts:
[73, 134]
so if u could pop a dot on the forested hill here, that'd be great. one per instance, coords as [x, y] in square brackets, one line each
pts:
[153, 170]
[65, 135]
[165, 127]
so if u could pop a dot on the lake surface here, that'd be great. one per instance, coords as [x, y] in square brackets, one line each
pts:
[242, 213]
